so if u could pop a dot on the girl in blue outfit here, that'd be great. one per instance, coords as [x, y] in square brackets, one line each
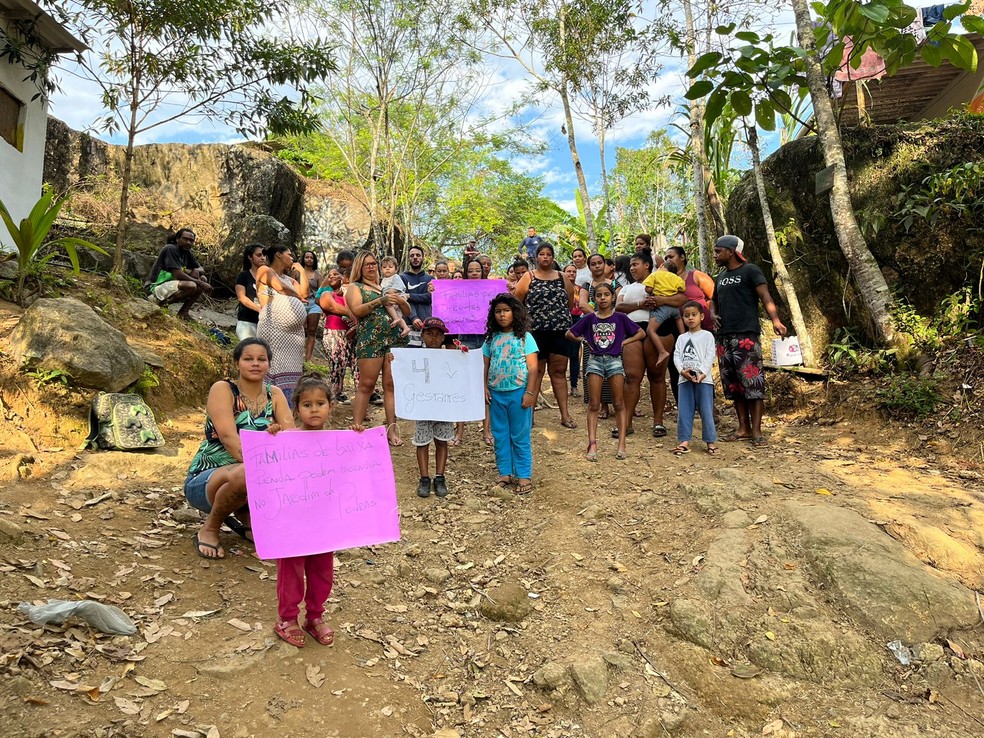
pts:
[510, 389]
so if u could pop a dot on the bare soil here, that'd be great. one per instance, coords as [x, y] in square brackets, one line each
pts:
[604, 551]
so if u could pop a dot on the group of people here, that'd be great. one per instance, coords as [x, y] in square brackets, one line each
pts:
[601, 323]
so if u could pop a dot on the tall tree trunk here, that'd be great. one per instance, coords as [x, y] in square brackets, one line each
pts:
[582, 183]
[124, 219]
[697, 146]
[127, 175]
[600, 127]
[868, 277]
[783, 283]
[715, 205]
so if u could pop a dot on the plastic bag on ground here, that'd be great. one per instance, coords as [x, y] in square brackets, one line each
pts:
[105, 618]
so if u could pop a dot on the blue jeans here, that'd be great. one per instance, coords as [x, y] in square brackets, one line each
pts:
[511, 425]
[699, 396]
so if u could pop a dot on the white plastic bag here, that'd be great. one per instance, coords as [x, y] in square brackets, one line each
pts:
[786, 351]
[105, 618]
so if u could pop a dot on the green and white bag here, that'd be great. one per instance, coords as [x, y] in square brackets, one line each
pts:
[120, 422]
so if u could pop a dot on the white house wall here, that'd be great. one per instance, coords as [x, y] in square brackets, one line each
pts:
[21, 171]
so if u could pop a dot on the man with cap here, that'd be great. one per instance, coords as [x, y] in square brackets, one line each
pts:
[438, 432]
[471, 252]
[734, 308]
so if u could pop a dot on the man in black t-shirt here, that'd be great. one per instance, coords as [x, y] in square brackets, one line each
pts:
[734, 308]
[176, 275]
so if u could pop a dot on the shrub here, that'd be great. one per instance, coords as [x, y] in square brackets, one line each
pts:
[909, 397]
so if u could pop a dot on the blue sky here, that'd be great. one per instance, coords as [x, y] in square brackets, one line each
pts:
[78, 105]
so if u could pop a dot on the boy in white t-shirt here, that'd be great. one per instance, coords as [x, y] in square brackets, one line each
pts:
[391, 281]
[694, 356]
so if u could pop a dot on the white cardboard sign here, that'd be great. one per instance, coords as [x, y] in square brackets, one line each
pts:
[438, 384]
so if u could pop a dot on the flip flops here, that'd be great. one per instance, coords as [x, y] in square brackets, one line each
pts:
[239, 528]
[659, 430]
[199, 545]
[680, 450]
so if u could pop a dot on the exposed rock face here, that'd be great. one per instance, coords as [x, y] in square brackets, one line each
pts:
[876, 580]
[233, 195]
[881, 161]
[68, 335]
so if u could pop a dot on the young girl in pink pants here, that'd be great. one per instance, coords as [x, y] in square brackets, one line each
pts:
[312, 403]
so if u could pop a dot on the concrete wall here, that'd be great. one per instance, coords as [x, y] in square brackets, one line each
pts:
[21, 171]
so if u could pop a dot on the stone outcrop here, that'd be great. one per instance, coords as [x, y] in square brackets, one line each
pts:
[69, 336]
[876, 580]
[882, 161]
[232, 195]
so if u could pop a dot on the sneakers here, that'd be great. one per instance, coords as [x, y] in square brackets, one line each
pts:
[375, 399]
[440, 486]
[343, 399]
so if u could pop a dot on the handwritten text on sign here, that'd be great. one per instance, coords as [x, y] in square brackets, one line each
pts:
[438, 384]
[318, 491]
[463, 304]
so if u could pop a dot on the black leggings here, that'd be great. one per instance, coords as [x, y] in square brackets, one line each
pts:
[669, 328]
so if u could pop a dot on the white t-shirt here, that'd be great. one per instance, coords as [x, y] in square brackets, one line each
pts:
[633, 293]
[695, 351]
[583, 275]
[393, 283]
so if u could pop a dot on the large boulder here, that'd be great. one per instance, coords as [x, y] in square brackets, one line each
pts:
[68, 335]
[230, 195]
[882, 161]
[876, 580]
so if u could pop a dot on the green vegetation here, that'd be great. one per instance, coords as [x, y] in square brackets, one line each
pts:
[955, 193]
[44, 377]
[34, 250]
[909, 397]
[145, 382]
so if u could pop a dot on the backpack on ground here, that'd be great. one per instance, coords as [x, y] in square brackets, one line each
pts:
[121, 422]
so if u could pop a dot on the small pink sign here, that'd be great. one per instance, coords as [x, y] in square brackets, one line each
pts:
[317, 491]
[463, 304]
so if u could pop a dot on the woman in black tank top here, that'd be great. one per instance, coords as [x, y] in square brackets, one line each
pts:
[549, 298]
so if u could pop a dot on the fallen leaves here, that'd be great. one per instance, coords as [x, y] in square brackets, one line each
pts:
[314, 676]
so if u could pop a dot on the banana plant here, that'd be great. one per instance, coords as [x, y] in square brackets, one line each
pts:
[30, 239]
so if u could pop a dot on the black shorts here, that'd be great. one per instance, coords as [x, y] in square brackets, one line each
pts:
[551, 342]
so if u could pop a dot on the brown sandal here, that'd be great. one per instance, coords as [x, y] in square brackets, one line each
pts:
[290, 631]
[320, 631]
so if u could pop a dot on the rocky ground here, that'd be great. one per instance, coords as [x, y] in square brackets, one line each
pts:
[753, 593]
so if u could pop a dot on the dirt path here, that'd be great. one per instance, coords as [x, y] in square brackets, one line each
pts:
[752, 593]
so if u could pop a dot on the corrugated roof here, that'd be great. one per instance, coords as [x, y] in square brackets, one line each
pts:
[55, 35]
[913, 93]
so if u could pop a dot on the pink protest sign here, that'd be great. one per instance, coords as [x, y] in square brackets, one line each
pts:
[463, 304]
[318, 491]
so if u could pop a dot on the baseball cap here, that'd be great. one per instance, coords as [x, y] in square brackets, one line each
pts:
[734, 243]
[435, 323]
